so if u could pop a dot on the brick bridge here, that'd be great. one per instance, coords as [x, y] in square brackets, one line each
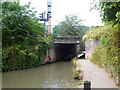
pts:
[67, 46]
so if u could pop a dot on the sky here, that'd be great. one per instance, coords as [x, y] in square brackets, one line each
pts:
[61, 8]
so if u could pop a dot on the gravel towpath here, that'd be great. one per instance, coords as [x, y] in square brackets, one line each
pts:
[99, 78]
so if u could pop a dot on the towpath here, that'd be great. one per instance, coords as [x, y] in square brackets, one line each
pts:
[99, 78]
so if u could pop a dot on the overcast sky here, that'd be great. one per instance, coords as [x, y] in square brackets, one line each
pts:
[61, 8]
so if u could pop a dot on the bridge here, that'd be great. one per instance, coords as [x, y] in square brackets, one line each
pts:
[61, 39]
[67, 46]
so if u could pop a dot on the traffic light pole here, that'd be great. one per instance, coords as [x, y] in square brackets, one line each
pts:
[44, 14]
[48, 19]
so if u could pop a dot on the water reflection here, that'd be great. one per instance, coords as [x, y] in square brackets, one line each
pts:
[55, 75]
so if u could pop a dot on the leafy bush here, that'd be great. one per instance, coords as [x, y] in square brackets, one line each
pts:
[21, 34]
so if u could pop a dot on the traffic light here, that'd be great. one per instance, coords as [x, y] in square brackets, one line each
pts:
[41, 17]
[48, 16]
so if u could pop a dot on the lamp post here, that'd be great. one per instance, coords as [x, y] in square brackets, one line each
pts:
[48, 19]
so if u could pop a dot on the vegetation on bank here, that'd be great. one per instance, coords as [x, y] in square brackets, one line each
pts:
[107, 53]
[24, 44]
[78, 74]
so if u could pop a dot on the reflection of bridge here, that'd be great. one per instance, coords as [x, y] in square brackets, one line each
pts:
[67, 46]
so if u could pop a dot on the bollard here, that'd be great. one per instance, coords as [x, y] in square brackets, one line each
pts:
[87, 85]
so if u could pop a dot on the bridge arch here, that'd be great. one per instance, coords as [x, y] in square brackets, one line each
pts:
[67, 46]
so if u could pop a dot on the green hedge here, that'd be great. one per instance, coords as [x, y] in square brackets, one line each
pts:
[16, 58]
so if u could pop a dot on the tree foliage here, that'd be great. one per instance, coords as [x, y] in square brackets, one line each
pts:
[110, 11]
[18, 24]
[70, 26]
[24, 44]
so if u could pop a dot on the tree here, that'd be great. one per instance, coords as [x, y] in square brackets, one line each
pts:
[109, 11]
[70, 26]
[21, 33]
[56, 29]
[19, 24]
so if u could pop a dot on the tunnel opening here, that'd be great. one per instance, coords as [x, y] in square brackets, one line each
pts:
[65, 51]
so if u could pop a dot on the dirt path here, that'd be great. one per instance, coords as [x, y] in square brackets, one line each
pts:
[99, 78]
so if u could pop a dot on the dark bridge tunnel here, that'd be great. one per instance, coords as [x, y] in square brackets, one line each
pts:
[65, 51]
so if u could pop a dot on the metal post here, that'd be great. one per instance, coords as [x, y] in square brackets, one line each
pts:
[44, 14]
[87, 85]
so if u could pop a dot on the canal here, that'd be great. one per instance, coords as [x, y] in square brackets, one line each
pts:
[54, 75]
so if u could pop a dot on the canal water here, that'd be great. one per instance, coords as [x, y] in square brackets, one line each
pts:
[54, 75]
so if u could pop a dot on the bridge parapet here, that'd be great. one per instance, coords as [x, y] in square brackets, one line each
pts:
[68, 36]
[68, 39]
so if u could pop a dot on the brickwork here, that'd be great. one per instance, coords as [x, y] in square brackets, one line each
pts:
[50, 57]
